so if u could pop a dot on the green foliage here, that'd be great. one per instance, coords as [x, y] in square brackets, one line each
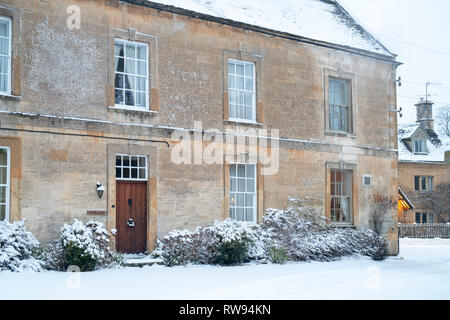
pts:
[234, 251]
[76, 256]
[277, 255]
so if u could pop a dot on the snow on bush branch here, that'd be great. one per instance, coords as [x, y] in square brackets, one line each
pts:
[298, 233]
[17, 247]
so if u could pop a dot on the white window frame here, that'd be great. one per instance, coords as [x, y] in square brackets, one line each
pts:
[364, 180]
[254, 193]
[349, 175]
[244, 63]
[9, 56]
[8, 182]
[130, 167]
[147, 77]
[331, 107]
[423, 146]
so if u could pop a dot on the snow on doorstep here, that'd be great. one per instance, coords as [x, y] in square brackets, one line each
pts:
[315, 19]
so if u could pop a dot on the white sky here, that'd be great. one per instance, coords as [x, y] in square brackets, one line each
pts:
[424, 23]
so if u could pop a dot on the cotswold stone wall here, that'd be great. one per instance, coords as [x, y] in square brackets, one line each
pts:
[406, 173]
[67, 73]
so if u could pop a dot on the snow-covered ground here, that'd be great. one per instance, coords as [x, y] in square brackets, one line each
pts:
[421, 271]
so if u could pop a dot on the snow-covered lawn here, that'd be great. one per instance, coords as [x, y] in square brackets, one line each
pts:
[421, 271]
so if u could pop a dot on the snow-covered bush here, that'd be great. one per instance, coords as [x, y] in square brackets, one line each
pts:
[225, 242]
[17, 247]
[308, 236]
[298, 233]
[85, 246]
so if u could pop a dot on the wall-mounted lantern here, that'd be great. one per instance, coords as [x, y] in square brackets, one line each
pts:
[100, 189]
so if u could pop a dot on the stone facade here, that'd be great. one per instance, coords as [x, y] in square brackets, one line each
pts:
[65, 132]
[407, 170]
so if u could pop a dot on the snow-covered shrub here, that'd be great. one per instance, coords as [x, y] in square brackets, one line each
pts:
[234, 240]
[17, 247]
[307, 236]
[225, 242]
[85, 246]
[298, 233]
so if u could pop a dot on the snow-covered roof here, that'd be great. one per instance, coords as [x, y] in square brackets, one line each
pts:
[323, 20]
[436, 152]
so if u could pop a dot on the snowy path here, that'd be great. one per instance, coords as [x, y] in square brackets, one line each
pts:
[421, 271]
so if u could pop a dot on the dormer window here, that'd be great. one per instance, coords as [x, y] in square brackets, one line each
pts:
[420, 146]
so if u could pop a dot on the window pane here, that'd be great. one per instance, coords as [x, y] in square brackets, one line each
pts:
[140, 85]
[241, 185]
[417, 217]
[249, 70]
[142, 52]
[240, 83]
[142, 174]
[424, 183]
[142, 162]
[231, 81]
[249, 214]
[4, 29]
[2, 212]
[118, 173]
[231, 68]
[3, 175]
[233, 184]
[240, 69]
[3, 157]
[126, 161]
[126, 173]
[4, 46]
[416, 182]
[232, 200]
[4, 65]
[129, 98]
[118, 96]
[249, 200]
[241, 170]
[240, 214]
[118, 49]
[250, 185]
[119, 82]
[130, 66]
[140, 99]
[240, 200]
[142, 68]
[249, 84]
[424, 218]
[232, 213]
[2, 194]
[232, 170]
[134, 173]
[130, 51]
[134, 161]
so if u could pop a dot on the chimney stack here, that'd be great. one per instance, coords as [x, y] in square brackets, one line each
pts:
[424, 111]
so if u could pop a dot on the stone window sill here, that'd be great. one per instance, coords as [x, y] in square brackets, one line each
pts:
[9, 97]
[244, 123]
[132, 111]
[340, 134]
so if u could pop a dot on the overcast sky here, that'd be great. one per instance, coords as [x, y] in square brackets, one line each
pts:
[413, 24]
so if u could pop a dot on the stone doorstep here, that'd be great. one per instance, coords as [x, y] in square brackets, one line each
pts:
[141, 261]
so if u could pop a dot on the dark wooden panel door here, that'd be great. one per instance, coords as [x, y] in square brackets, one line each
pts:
[131, 216]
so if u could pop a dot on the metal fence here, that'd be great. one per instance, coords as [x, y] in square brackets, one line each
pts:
[426, 230]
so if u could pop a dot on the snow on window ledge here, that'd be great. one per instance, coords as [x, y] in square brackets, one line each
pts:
[131, 109]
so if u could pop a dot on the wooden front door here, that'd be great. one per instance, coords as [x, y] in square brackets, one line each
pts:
[131, 216]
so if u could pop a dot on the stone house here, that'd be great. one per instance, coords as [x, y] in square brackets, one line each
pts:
[424, 164]
[95, 95]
